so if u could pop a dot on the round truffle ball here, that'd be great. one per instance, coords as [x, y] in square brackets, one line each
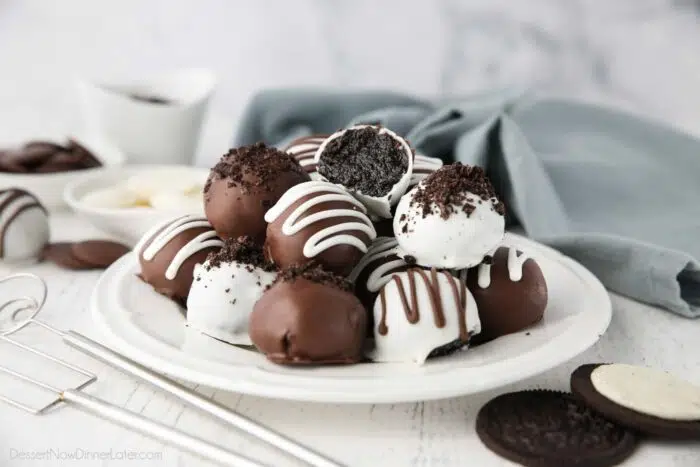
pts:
[225, 289]
[509, 290]
[372, 163]
[375, 269]
[304, 151]
[451, 219]
[24, 226]
[309, 316]
[169, 252]
[318, 221]
[246, 183]
[421, 314]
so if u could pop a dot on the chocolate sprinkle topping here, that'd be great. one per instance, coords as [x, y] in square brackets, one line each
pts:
[365, 161]
[253, 168]
[315, 273]
[448, 189]
[240, 250]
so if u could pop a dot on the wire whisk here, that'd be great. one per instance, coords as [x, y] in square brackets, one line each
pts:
[22, 311]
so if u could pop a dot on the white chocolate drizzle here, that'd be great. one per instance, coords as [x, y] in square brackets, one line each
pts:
[163, 233]
[382, 248]
[516, 260]
[330, 236]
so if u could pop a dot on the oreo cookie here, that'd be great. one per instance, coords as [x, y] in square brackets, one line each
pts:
[646, 400]
[549, 428]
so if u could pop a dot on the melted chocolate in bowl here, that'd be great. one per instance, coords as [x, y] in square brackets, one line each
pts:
[151, 99]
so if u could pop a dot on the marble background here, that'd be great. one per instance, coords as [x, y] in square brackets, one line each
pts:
[643, 55]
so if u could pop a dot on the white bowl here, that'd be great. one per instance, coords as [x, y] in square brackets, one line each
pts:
[49, 187]
[126, 224]
[150, 133]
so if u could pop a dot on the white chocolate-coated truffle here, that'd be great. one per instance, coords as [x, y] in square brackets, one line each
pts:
[222, 298]
[377, 205]
[454, 235]
[444, 313]
[24, 226]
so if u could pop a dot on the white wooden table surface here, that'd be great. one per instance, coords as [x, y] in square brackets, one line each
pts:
[439, 433]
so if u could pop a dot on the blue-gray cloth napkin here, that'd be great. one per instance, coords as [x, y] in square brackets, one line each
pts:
[617, 193]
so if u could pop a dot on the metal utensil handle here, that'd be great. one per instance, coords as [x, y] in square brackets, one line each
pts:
[193, 398]
[157, 430]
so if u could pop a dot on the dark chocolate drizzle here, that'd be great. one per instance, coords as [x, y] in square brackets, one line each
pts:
[459, 295]
[15, 194]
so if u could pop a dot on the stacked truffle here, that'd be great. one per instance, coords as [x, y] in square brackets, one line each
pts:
[288, 258]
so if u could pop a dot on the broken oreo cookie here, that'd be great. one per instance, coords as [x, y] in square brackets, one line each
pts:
[549, 428]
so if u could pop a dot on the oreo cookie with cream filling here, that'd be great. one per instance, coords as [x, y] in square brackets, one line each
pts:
[647, 400]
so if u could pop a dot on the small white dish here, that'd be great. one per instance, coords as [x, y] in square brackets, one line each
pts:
[150, 329]
[148, 132]
[129, 224]
[49, 187]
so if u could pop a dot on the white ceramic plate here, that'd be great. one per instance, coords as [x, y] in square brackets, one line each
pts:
[150, 329]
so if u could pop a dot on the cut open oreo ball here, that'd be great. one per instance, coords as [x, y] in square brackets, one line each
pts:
[372, 163]
[549, 428]
[644, 399]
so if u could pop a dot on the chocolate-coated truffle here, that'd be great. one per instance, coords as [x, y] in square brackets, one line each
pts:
[24, 226]
[309, 316]
[509, 290]
[304, 150]
[318, 221]
[246, 183]
[373, 163]
[169, 252]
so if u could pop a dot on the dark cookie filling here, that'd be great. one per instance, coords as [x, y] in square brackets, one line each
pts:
[365, 161]
[448, 349]
[314, 273]
[254, 168]
[240, 250]
[448, 189]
